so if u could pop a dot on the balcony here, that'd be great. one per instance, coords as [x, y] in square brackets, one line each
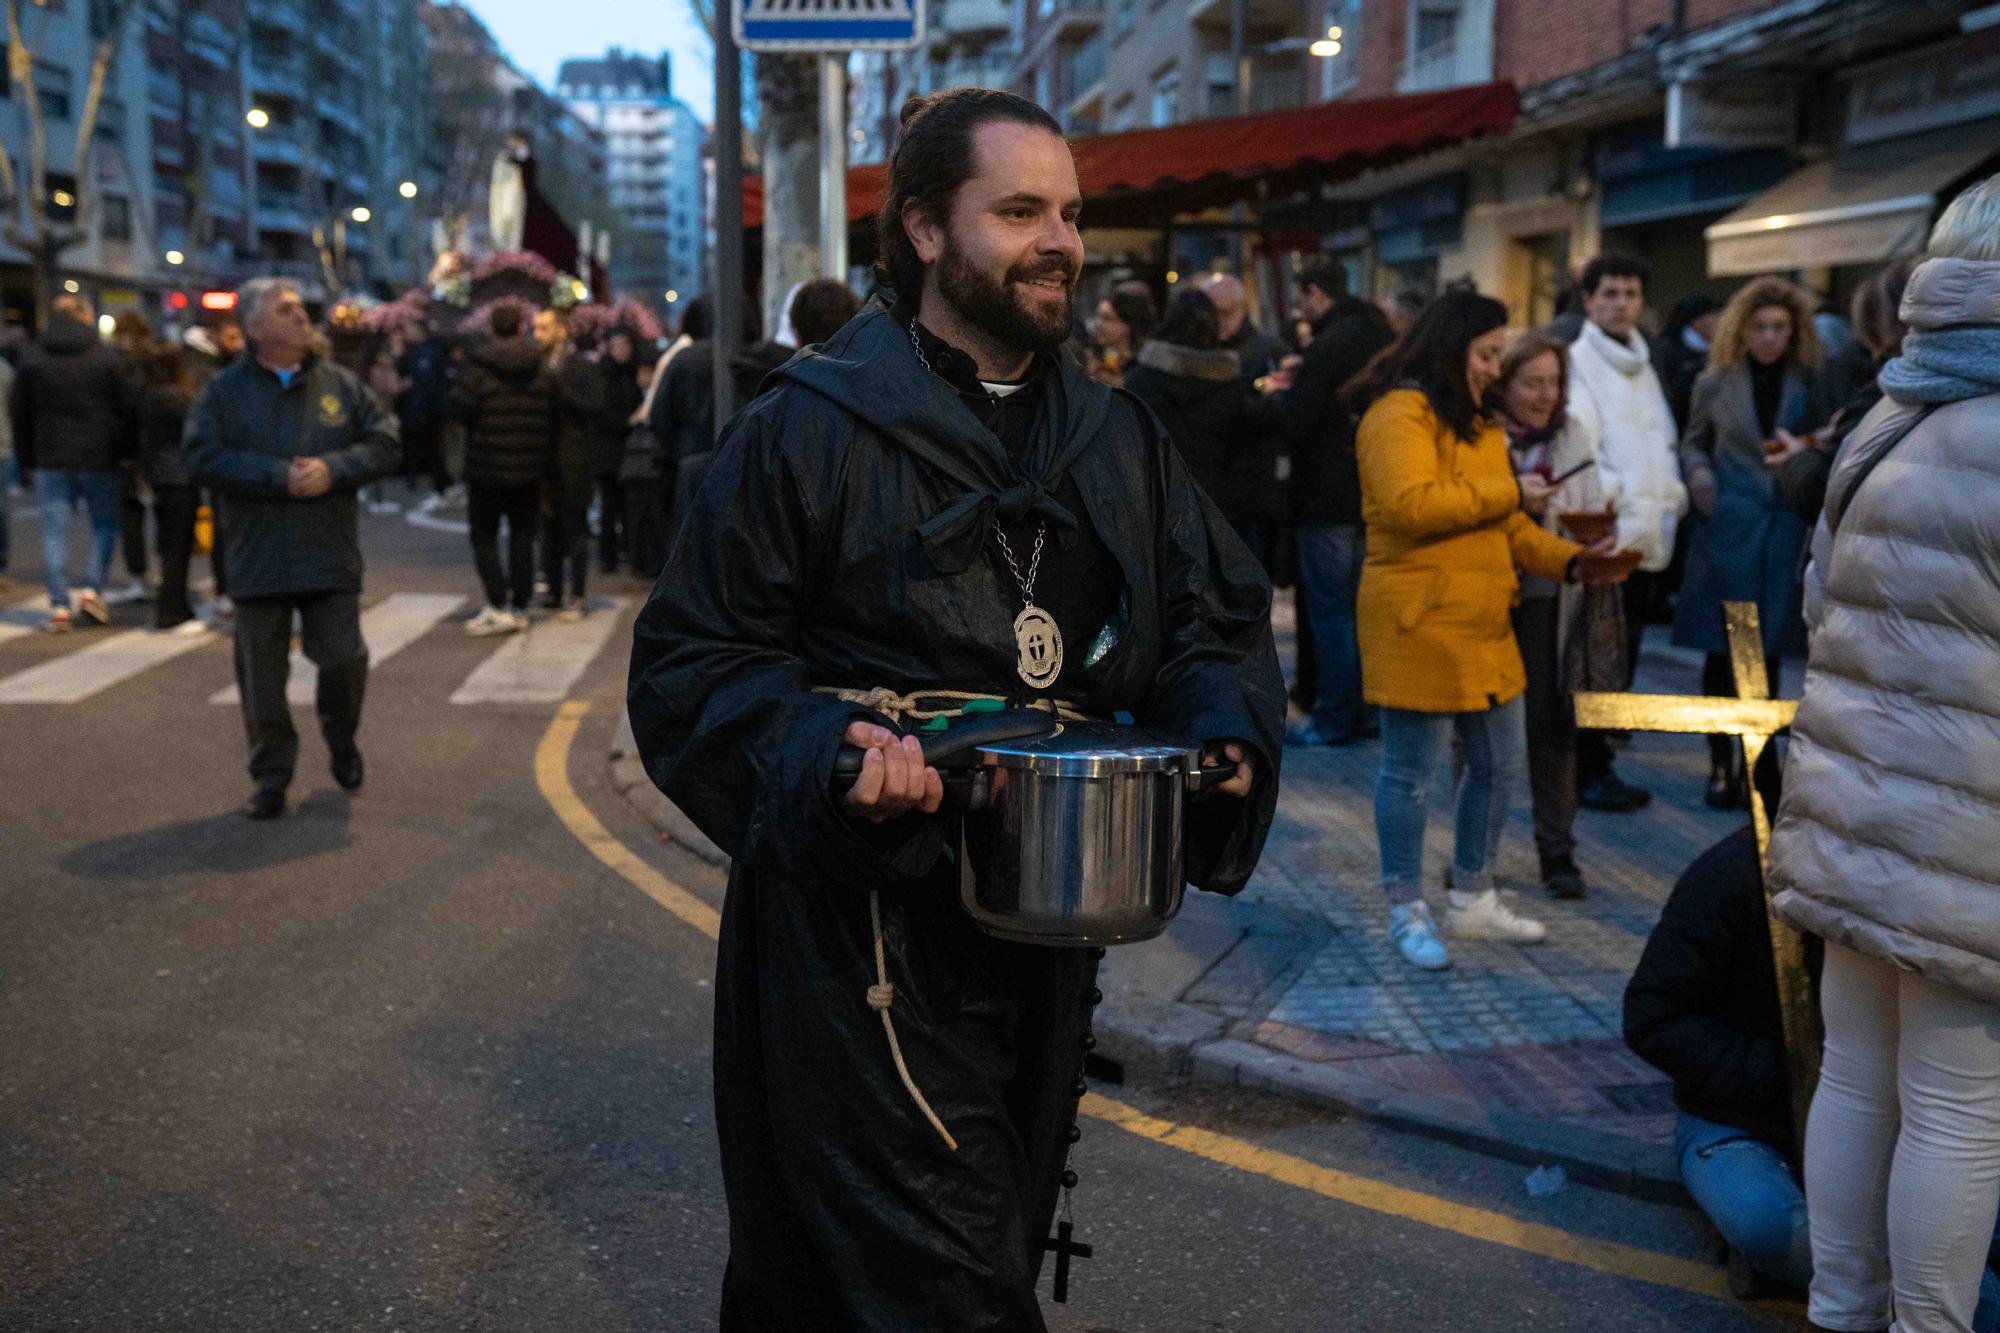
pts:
[285, 214]
[287, 14]
[277, 146]
[340, 42]
[346, 116]
[1060, 19]
[967, 21]
[270, 77]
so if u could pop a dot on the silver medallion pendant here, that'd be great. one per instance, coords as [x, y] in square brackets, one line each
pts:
[1041, 647]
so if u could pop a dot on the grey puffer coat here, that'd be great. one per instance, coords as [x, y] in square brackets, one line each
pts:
[1888, 840]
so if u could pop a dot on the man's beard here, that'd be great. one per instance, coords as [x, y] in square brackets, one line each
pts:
[998, 309]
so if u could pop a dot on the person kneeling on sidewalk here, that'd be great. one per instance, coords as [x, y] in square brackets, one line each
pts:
[1702, 1008]
[287, 439]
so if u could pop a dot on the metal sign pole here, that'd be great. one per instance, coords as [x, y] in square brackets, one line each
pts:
[728, 301]
[833, 165]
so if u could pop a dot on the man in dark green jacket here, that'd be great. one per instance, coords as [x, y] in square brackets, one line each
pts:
[286, 439]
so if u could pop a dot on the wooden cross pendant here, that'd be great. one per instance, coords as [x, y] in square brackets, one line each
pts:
[1063, 1247]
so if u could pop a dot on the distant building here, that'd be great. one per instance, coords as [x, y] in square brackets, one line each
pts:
[967, 44]
[657, 181]
[226, 134]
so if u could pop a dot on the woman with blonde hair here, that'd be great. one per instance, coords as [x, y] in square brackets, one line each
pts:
[1886, 845]
[1570, 638]
[1756, 398]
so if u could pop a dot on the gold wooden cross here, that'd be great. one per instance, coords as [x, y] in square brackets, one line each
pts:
[1753, 717]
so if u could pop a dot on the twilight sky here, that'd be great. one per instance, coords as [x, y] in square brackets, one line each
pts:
[541, 34]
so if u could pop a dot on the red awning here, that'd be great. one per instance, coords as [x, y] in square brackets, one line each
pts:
[1137, 176]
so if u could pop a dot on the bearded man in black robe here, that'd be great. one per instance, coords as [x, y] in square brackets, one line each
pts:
[850, 535]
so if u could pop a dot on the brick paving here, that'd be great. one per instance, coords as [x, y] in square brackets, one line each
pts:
[1530, 1029]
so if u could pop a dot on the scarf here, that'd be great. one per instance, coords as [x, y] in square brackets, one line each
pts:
[1945, 365]
[1628, 358]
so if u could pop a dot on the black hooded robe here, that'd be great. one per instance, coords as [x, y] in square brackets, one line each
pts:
[837, 541]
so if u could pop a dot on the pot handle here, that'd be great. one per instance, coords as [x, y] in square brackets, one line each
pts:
[1202, 781]
[955, 747]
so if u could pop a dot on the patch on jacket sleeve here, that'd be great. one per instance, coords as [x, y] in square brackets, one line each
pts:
[332, 412]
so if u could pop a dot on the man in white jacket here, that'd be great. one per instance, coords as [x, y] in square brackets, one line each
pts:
[1619, 416]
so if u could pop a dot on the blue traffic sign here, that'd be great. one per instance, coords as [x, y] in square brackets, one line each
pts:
[828, 25]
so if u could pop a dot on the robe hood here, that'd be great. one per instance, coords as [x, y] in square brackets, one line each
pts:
[870, 369]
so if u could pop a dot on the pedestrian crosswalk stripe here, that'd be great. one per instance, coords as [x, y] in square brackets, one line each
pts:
[541, 663]
[76, 676]
[388, 627]
[26, 617]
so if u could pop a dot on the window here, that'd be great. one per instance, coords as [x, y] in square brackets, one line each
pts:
[1167, 95]
[1218, 81]
[117, 218]
[1123, 15]
[111, 120]
[52, 85]
[1338, 74]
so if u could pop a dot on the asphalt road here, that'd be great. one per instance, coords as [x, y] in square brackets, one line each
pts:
[416, 1059]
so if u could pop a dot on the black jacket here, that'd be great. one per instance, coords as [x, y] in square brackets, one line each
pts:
[578, 405]
[163, 411]
[241, 438]
[619, 398]
[1223, 427]
[683, 417]
[1319, 427]
[73, 406]
[842, 540]
[1702, 1006]
[506, 398]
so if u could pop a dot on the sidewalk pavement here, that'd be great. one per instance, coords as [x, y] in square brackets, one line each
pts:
[1292, 986]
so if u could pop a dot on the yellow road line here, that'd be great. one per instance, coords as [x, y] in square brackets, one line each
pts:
[552, 776]
[1394, 1201]
[1624, 1261]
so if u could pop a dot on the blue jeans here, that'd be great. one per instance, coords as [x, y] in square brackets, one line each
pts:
[1413, 749]
[1750, 1193]
[58, 491]
[1330, 573]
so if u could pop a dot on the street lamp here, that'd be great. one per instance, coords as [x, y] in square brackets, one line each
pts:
[61, 198]
[176, 257]
[1329, 45]
[360, 213]
[408, 189]
[672, 296]
[258, 117]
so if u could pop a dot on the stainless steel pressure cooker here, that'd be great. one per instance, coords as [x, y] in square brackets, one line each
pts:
[1072, 831]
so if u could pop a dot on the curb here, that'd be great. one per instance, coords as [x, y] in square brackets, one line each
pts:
[1174, 1039]
[1188, 1041]
[629, 780]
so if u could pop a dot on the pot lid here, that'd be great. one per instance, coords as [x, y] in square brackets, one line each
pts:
[1091, 749]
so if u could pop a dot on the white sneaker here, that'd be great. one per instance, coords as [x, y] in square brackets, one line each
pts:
[572, 611]
[1482, 916]
[491, 620]
[1414, 934]
[93, 606]
[134, 591]
[516, 620]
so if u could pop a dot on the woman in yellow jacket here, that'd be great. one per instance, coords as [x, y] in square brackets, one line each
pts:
[1446, 533]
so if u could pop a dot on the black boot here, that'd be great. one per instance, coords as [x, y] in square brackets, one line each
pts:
[1561, 878]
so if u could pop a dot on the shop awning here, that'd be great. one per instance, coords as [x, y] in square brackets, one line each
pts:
[1142, 177]
[1861, 207]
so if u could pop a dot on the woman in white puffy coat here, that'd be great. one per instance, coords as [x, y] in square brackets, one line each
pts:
[1888, 838]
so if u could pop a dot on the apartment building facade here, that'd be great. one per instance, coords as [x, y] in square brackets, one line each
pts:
[228, 131]
[657, 184]
[967, 43]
